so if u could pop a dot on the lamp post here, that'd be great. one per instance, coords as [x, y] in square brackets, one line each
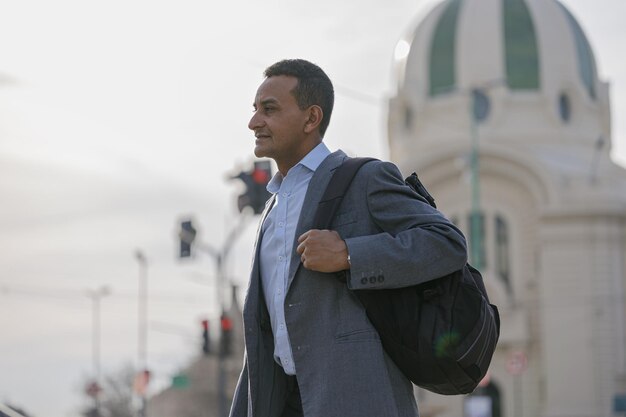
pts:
[187, 236]
[478, 113]
[142, 332]
[95, 387]
[255, 197]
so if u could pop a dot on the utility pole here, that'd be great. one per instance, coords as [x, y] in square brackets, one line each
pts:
[142, 332]
[187, 236]
[95, 386]
[255, 197]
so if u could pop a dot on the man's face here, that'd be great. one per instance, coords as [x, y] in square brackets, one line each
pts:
[278, 123]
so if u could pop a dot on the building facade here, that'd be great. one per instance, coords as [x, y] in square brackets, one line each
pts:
[515, 83]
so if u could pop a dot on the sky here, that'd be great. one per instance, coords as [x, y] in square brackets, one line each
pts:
[120, 118]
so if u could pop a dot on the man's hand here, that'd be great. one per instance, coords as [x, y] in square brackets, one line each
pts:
[323, 251]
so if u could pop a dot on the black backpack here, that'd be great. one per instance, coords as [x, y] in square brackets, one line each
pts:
[441, 334]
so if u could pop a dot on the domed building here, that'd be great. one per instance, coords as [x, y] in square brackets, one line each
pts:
[500, 110]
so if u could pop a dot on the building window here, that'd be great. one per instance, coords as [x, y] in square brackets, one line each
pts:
[522, 56]
[408, 118]
[480, 105]
[442, 66]
[586, 61]
[565, 107]
[489, 245]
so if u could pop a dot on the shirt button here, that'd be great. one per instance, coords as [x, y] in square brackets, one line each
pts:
[280, 258]
[281, 224]
[279, 292]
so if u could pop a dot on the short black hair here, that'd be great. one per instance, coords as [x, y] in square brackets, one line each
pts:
[314, 87]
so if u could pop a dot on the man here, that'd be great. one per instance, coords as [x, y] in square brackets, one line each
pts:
[310, 349]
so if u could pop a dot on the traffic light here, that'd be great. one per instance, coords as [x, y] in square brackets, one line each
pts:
[141, 382]
[226, 338]
[187, 235]
[206, 346]
[255, 181]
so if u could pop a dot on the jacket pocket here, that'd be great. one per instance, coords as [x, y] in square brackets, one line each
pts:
[360, 335]
[343, 219]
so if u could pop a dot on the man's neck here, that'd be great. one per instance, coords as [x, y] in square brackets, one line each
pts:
[284, 167]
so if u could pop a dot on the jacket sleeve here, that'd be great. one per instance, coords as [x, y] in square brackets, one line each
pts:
[413, 242]
[239, 407]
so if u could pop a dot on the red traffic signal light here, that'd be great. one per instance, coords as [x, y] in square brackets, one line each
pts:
[226, 338]
[206, 347]
[227, 323]
[256, 182]
[261, 175]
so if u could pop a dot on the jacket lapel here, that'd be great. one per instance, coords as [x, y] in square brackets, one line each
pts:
[255, 281]
[314, 193]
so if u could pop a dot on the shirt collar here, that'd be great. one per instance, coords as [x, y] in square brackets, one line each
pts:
[312, 161]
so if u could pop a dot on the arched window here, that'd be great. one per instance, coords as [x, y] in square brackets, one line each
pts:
[521, 51]
[408, 118]
[565, 107]
[489, 246]
[586, 61]
[442, 66]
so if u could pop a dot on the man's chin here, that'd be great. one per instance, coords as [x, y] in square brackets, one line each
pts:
[259, 152]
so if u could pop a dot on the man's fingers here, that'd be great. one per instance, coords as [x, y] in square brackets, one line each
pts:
[303, 236]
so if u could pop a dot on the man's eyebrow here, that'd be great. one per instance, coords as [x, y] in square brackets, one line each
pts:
[265, 102]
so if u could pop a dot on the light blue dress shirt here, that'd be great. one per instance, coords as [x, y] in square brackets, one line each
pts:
[277, 243]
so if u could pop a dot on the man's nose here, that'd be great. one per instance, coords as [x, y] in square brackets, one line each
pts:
[254, 122]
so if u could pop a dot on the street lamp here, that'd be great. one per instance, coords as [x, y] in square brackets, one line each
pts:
[142, 377]
[479, 111]
[95, 387]
[254, 197]
[219, 257]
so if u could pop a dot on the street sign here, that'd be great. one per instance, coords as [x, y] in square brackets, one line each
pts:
[517, 363]
[180, 381]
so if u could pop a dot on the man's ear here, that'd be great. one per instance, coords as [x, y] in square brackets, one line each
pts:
[315, 116]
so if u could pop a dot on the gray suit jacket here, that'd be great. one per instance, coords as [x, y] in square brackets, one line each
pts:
[394, 239]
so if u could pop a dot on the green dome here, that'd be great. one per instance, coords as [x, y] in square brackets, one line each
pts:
[520, 56]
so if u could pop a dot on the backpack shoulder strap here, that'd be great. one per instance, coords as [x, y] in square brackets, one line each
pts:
[337, 188]
[414, 182]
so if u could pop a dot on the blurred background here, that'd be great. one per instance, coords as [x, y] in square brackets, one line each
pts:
[121, 120]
